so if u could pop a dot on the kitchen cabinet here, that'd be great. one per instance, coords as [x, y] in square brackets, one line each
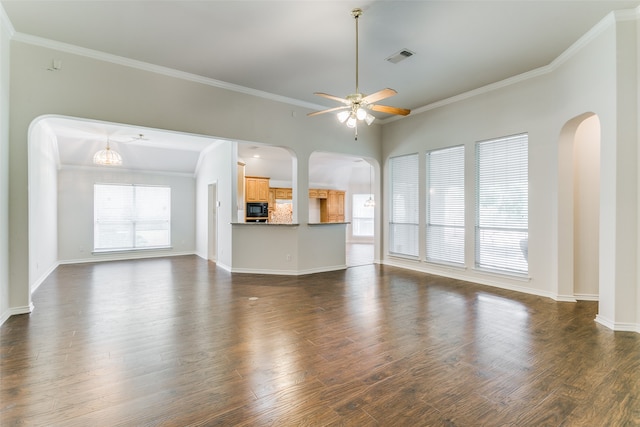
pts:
[240, 194]
[257, 189]
[283, 193]
[315, 193]
[332, 208]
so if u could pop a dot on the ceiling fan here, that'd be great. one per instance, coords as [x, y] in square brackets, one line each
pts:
[356, 104]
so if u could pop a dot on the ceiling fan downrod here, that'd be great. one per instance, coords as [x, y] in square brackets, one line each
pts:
[356, 14]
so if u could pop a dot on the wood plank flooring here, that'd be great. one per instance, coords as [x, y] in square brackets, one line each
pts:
[177, 342]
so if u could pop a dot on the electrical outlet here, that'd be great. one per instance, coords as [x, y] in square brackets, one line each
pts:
[288, 257]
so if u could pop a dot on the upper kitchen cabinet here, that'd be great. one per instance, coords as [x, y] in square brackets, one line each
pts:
[257, 189]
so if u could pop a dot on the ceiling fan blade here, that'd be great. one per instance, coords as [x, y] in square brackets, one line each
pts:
[315, 113]
[335, 98]
[381, 94]
[390, 110]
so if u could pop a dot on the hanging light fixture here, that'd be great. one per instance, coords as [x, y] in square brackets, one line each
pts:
[369, 203]
[357, 105]
[107, 157]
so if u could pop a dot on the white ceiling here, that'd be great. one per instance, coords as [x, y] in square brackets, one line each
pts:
[295, 48]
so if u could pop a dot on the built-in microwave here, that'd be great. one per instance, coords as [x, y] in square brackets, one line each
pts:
[257, 210]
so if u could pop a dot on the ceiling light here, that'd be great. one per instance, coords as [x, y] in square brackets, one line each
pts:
[369, 118]
[356, 104]
[107, 157]
[343, 116]
[369, 203]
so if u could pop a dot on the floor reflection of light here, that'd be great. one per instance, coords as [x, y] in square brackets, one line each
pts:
[271, 362]
[502, 338]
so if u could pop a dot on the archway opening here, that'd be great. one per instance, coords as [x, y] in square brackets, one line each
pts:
[579, 209]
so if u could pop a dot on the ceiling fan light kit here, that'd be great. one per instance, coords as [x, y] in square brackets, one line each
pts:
[356, 104]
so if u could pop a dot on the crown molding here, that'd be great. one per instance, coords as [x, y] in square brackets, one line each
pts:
[605, 23]
[170, 72]
[6, 23]
[611, 19]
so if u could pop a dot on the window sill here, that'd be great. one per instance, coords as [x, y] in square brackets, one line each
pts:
[504, 274]
[124, 250]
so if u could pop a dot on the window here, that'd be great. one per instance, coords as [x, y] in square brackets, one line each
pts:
[502, 211]
[362, 217]
[445, 205]
[131, 217]
[403, 225]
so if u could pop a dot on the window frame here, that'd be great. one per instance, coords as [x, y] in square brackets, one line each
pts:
[502, 223]
[410, 226]
[132, 223]
[454, 227]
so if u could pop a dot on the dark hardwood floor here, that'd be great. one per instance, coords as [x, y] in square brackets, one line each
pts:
[177, 342]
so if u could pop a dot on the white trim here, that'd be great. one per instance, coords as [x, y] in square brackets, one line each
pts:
[587, 297]
[605, 23]
[618, 326]
[170, 72]
[7, 26]
[7, 313]
[455, 274]
[42, 278]
[564, 298]
[601, 26]
[290, 272]
[126, 255]
[12, 311]
[221, 265]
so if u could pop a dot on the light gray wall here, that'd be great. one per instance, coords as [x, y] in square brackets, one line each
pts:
[43, 203]
[75, 219]
[586, 214]
[103, 90]
[217, 167]
[5, 303]
[599, 76]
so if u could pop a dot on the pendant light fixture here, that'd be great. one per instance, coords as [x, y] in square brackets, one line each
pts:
[369, 203]
[107, 157]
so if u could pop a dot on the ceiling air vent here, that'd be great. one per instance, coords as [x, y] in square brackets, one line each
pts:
[400, 56]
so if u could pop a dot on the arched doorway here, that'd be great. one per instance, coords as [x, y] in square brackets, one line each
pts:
[579, 209]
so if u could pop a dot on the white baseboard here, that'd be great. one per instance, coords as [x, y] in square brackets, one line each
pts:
[478, 277]
[120, 256]
[5, 316]
[565, 298]
[618, 326]
[587, 297]
[290, 272]
[43, 277]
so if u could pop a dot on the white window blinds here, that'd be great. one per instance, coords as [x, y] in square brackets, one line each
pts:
[403, 225]
[362, 216]
[502, 211]
[131, 217]
[445, 205]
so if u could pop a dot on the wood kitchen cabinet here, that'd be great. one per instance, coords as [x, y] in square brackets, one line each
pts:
[332, 208]
[257, 189]
[315, 193]
[283, 193]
